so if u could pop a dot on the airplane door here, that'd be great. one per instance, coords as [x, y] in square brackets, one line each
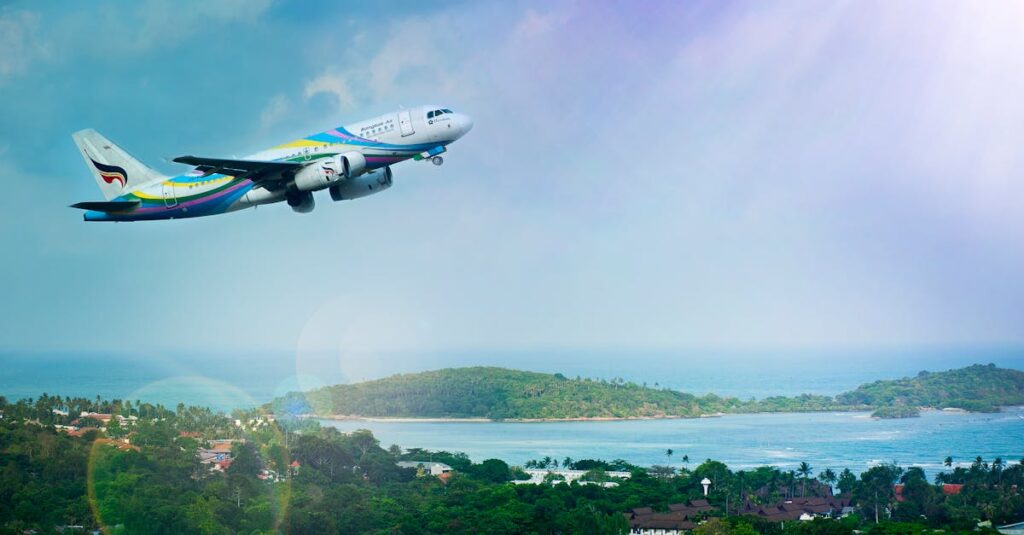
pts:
[170, 197]
[405, 123]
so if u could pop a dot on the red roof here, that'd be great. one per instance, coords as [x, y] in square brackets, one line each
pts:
[949, 489]
[295, 464]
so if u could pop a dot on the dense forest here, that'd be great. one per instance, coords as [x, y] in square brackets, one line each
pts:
[499, 393]
[142, 472]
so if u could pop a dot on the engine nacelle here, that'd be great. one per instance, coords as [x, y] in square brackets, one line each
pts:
[302, 202]
[368, 184]
[352, 164]
[327, 171]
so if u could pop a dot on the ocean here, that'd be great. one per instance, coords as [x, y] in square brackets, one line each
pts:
[834, 440]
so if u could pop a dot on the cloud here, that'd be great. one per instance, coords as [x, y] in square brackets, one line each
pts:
[111, 29]
[20, 43]
[332, 84]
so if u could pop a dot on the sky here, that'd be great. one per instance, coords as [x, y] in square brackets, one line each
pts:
[661, 177]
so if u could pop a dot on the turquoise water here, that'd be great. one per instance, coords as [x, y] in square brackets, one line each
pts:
[836, 440]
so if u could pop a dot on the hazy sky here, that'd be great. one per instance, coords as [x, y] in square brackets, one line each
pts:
[641, 176]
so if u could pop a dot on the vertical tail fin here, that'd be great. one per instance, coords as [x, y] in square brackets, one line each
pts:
[116, 171]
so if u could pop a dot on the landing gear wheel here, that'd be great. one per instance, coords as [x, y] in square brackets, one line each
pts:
[437, 160]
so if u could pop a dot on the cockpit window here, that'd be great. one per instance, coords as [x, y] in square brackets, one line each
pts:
[430, 115]
[437, 112]
[446, 110]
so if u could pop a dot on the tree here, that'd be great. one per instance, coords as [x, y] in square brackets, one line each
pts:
[662, 472]
[245, 462]
[875, 491]
[493, 470]
[668, 453]
[686, 460]
[114, 428]
[804, 470]
[847, 481]
[948, 462]
[828, 477]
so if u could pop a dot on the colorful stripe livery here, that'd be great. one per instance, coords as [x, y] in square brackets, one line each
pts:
[381, 142]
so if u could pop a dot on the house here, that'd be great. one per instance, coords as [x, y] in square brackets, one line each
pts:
[103, 417]
[799, 508]
[644, 521]
[681, 517]
[435, 469]
[221, 466]
[537, 477]
[948, 489]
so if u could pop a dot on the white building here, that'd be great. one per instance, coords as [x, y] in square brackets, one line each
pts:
[537, 477]
[435, 469]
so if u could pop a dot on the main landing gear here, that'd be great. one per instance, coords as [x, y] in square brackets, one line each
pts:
[437, 160]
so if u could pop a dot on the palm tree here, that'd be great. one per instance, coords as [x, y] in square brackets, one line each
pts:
[686, 460]
[668, 453]
[948, 462]
[567, 462]
[804, 470]
[828, 477]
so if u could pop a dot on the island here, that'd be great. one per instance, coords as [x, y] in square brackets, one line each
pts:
[493, 393]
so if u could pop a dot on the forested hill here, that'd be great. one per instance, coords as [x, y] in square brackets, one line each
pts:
[977, 388]
[499, 393]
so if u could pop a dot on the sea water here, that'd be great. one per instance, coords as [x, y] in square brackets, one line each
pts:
[834, 440]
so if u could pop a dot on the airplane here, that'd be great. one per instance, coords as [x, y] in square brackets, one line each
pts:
[349, 161]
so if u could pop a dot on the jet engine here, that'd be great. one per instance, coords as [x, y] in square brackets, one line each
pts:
[323, 173]
[368, 184]
[352, 164]
[301, 202]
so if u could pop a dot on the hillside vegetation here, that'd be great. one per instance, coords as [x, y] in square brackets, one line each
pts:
[975, 388]
[499, 393]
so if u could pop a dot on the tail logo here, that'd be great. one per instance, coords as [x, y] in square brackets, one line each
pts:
[111, 173]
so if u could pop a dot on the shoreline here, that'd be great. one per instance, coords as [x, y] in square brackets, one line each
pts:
[413, 419]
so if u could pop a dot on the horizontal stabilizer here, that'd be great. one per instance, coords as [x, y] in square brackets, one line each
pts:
[106, 206]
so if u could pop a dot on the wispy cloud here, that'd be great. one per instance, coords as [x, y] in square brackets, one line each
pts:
[334, 85]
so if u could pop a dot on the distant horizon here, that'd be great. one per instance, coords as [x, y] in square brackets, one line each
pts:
[238, 379]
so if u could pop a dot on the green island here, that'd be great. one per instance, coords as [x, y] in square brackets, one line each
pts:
[504, 394]
[79, 465]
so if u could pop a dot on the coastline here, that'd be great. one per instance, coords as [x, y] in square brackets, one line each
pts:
[414, 419]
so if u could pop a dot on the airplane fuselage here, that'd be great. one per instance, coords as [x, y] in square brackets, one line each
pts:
[384, 141]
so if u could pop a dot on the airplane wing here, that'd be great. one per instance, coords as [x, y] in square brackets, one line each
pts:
[255, 170]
